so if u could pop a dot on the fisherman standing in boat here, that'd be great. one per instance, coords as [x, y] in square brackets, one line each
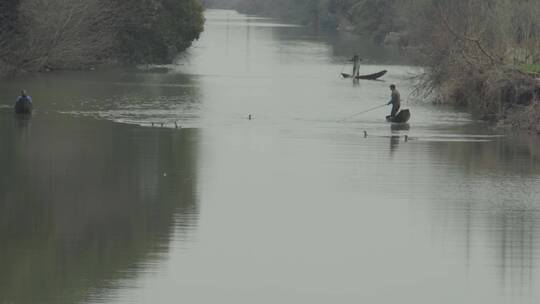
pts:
[356, 66]
[395, 101]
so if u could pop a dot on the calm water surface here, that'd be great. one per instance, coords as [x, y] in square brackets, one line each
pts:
[294, 206]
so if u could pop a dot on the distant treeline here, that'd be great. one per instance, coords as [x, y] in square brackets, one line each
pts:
[307, 12]
[65, 34]
[375, 17]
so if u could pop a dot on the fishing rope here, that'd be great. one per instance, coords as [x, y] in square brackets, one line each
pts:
[363, 112]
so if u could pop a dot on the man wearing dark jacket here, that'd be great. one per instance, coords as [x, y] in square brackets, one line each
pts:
[395, 101]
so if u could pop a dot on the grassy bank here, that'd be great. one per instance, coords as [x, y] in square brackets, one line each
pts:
[530, 68]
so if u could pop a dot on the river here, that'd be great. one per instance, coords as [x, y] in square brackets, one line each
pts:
[151, 185]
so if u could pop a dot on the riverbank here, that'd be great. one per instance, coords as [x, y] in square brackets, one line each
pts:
[41, 36]
[508, 98]
[487, 65]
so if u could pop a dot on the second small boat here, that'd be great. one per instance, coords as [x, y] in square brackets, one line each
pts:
[373, 76]
[356, 71]
[23, 108]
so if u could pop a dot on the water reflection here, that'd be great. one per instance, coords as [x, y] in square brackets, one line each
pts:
[396, 127]
[88, 205]
[394, 143]
[517, 237]
[397, 135]
[23, 122]
[492, 209]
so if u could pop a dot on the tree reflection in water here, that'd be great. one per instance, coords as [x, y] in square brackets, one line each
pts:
[85, 203]
[493, 206]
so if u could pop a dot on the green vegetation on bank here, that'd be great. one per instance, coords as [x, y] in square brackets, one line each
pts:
[38, 35]
[531, 68]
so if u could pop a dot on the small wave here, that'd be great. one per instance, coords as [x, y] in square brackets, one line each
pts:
[463, 140]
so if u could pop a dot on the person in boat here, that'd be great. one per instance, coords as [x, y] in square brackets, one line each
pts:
[24, 102]
[24, 98]
[356, 65]
[395, 101]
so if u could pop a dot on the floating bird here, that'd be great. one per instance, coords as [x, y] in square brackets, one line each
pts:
[365, 134]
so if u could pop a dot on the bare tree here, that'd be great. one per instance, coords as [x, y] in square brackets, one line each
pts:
[476, 52]
[8, 20]
[66, 33]
[522, 30]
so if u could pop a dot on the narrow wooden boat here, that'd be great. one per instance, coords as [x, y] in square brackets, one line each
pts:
[402, 116]
[23, 108]
[373, 76]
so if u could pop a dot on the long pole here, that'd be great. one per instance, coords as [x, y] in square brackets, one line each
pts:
[363, 112]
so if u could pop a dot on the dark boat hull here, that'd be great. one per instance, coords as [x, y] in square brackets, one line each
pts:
[23, 108]
[373, 76]
[402, 117]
